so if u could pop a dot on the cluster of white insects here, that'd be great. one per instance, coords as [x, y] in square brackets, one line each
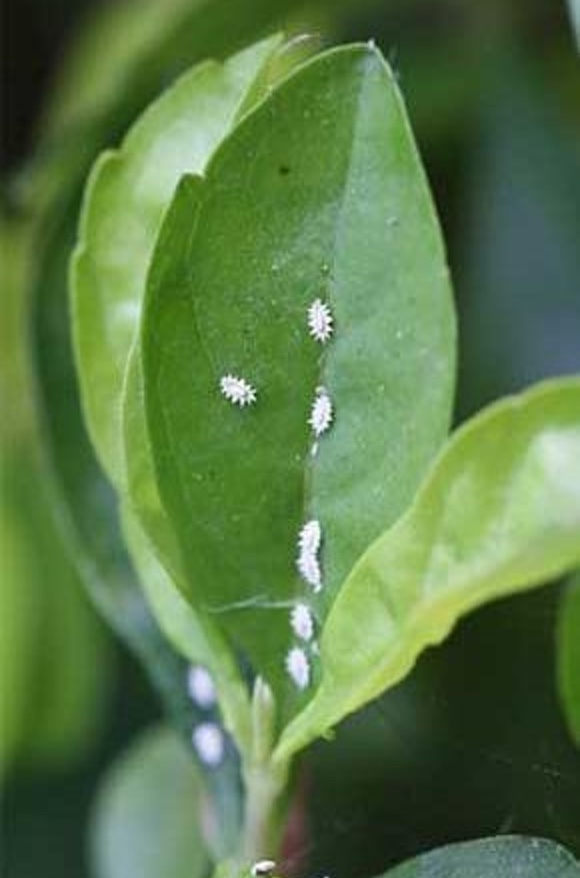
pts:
[240, 392]
[207, 737]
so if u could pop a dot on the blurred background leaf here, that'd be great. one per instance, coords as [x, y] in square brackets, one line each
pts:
[569, 655]
[147, 817]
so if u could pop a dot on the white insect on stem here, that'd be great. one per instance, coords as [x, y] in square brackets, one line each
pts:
[201, 687]
[322, 412]
[237, 390]
[302, 622]
[298, 667]
[208, 740]
[309, 540]
[320, 321]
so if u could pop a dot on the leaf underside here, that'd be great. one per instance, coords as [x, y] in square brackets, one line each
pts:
[319, 193]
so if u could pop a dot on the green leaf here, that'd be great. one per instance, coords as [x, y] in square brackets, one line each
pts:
[190, 633]
[569, 656]
[501, 857]
[127, 194]
[499, 513]
[280, 223]
[54, 660]
[146, 822]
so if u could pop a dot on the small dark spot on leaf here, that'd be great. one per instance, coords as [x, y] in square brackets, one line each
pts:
[284, 170]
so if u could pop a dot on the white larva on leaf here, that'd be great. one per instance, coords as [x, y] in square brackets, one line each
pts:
[302, 622]
[208, 740]
[201, 686]
[263, 868]
[310, 537]
[237, 390]
[309, 570]
[322, 412]
[298, 667]
[309, 540]
[320, 321]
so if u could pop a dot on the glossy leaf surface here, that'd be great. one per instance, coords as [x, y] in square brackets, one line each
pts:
[126, 197]
[283, 221]
[491, 858]
[147, 820]
[499, 513]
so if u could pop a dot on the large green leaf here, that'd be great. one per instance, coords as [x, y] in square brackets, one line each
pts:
[499, 513]
[569, 656]
[500, 857]
[318, 193]
[147, 822]
[126, 197]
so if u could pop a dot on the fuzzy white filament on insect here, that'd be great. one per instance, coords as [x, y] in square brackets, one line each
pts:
[201, 686]
[302, 622]
[208, 740]
[309, 540]
[320, 321]
[263, 868]
[237, 390]
[322, 412]
[298, 667]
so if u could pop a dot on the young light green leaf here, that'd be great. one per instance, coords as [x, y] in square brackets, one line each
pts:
[569, 656]
[498, 857]
[499, 513]
[127, 194]
[147, 820]
[282, 223]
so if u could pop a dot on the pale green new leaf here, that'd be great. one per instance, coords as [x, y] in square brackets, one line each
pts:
[499, 513]
[126, 197]
[508, 856]
[147, 820]
[569, 656]
[317, 193]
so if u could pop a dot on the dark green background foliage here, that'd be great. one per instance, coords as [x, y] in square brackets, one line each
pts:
[473, 743]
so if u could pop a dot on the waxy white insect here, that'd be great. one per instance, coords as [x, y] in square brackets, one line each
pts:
[298, 667]
[208, 740]
[263, 868]
[320, 321]
[237, 390]
[322, 412]
[310, 537]
[309, 570]
[302, 622]
[201, 686]
[309, 540]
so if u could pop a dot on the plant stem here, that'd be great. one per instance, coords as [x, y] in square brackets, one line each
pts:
[265, 782]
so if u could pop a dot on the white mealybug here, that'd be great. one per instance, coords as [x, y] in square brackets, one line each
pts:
[302, 622]
[322, 412]
[320, 321]
[201, 686]
[208, 740]
[263, 868]
[309, 570]
[298, 667]
[310, 537]
[237, 390]
[309, 540]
